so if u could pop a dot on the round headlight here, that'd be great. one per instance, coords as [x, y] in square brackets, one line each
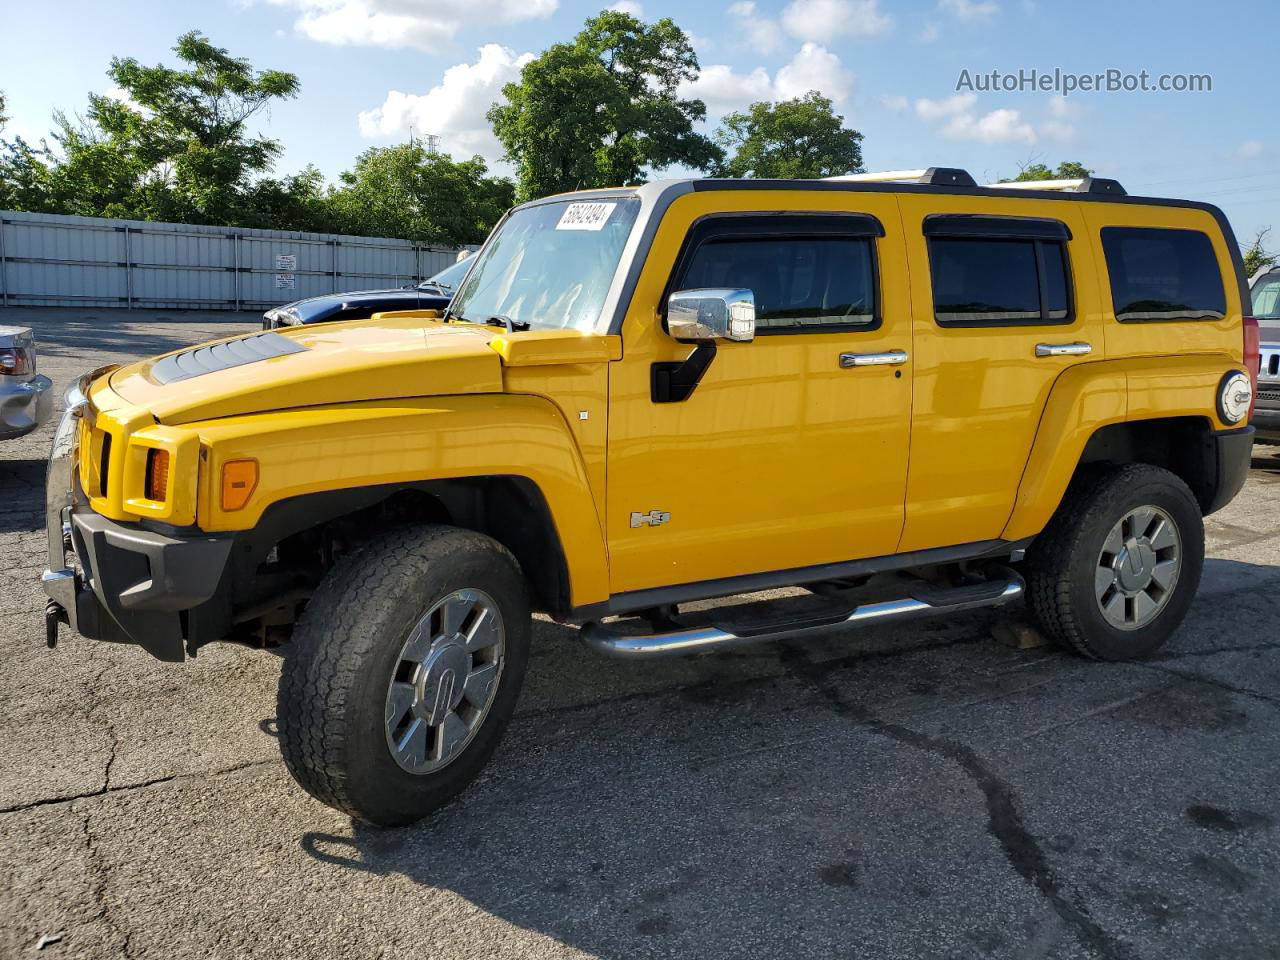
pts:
[1235, 394]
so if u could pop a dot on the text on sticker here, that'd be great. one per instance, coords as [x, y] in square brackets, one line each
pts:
[585, 216]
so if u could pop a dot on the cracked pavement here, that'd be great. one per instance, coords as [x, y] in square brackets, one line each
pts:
[900, 791]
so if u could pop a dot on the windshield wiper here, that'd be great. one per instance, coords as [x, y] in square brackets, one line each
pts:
[511, 326]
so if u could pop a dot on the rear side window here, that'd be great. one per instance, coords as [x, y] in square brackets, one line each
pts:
[1266, 297]
[980, 281]
[1162, 275]
[825, 280]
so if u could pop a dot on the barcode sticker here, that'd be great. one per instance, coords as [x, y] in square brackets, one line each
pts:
[585, 216]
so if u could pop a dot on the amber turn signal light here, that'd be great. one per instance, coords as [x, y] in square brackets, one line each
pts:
[239, 478]
[157, 475]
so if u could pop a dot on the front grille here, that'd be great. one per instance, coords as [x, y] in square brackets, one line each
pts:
[1272, 396]
[1269, 362]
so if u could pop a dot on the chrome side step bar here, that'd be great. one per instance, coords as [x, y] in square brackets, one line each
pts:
[607, 639]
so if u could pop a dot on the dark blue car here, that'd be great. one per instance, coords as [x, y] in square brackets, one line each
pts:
[433, 293]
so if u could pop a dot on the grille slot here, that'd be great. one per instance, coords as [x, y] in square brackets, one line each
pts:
[104, 464]
[223, 356]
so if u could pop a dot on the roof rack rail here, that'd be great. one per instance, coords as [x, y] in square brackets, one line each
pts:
[1082, 185]
[934, 176]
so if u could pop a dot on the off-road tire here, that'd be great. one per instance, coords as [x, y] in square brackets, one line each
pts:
[1061, 562]
[334, 680]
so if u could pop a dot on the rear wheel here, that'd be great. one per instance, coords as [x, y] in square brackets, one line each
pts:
[404, 671]
[1118, 567]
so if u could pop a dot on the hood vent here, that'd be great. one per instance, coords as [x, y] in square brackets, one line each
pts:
[222, 356]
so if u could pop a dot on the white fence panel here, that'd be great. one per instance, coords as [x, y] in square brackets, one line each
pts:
[55, 260]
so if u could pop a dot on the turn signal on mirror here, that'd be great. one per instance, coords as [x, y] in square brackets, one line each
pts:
[239, 478]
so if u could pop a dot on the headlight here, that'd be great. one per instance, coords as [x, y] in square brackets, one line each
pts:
[1235, 396]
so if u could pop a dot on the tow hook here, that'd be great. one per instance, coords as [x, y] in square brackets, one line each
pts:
[53, 615]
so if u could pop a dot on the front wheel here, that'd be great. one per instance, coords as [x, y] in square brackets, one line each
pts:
[404, 671]
[1116, 571]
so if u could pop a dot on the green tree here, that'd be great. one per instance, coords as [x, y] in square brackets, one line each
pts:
[174, 146]
[1256, 255]
[188, 128]
[1067, 170]
[405, 191]
[4, 117]
[791, 139]
[600, 110]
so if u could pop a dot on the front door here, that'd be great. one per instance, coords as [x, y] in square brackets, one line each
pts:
[785, 455]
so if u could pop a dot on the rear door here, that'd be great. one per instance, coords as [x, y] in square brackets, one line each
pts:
[1004, 300]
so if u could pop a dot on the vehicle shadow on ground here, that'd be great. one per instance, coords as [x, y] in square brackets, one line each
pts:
[21, 497]
[747, 817]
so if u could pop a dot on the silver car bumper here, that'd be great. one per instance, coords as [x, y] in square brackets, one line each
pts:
[60, 579]
[24, 405]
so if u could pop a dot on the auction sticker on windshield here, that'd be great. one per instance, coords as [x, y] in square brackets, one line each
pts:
[585, 216]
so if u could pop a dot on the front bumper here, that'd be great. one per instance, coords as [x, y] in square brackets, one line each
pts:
[117, 581]
[1266, 412]
[24, 405]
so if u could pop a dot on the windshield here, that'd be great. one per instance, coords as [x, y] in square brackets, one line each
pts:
[1266, 297]
[549, 266]
[448, 278]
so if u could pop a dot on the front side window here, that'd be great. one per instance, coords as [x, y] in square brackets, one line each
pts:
[981, 281]
[549, 266]
[802, 284]
[1163, 275]
[1266, 297]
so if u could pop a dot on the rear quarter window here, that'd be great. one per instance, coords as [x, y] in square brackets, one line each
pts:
[1161, 275]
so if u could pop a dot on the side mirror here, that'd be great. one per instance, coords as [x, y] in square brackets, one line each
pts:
[717, 314]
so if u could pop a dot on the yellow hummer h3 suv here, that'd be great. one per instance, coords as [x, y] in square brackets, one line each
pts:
[906, 393]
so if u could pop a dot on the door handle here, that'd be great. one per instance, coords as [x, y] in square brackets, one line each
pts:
[1063, 349]
[894, 358]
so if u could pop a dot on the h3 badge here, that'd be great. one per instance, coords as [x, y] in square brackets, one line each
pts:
[654, 518]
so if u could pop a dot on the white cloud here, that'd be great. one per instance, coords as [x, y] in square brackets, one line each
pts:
[998, 126]
[1061, 128]
[895, 103]
[455, 108]
[821, 20]
[628, 6]
[724, 89]
[928, 33]
[931, 110]
[405, 23]
[760, 33]
[1249, 150]
[961, 121]
[969, 9]
[814, 67]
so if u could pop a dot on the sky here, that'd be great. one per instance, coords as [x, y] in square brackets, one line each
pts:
[373, 72]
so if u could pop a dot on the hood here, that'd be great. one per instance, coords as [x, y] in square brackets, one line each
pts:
[374, 359]
[385, 357]
[1269, 329]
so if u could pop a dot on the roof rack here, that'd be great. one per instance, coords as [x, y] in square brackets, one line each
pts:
[1082, 185]
[934, 176]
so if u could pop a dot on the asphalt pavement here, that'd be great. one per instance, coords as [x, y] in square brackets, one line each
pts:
[911, 791]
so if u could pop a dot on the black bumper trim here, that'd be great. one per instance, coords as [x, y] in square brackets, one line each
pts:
[1233, 454]
[141, 581]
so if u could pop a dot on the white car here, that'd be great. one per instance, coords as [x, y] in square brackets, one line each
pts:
[25, 396]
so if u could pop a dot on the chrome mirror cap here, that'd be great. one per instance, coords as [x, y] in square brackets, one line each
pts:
[712, 314]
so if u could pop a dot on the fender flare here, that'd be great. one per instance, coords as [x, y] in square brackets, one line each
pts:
[407, 442]
[1090, 396]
